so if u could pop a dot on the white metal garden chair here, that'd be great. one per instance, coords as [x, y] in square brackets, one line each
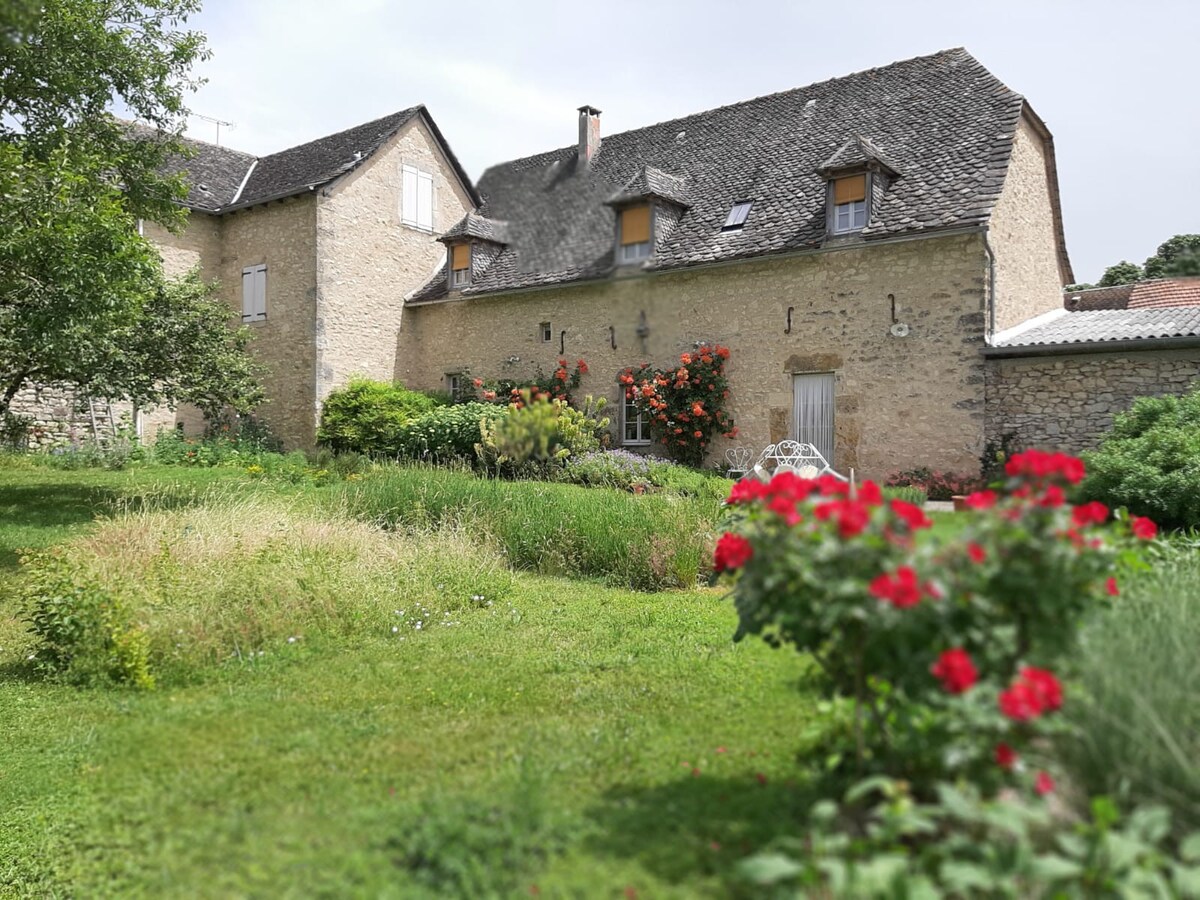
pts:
[739, 461]
[793, 456]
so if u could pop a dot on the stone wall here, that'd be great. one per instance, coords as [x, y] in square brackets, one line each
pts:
[1022, 235]
[198, 244]
[368, 260]
[900, 402]
[59, 417]
[1067, 402]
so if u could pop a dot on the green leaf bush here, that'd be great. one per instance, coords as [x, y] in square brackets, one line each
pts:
[1150, 461]
[446, 433]
[368, 416]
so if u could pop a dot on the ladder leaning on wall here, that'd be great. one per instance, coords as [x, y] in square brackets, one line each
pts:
[104, 421]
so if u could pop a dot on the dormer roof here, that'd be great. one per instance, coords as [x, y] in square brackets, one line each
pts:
[649, 182]
[478, 227]
[858, 153]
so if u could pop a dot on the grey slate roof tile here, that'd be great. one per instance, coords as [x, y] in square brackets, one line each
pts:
[1092, 325]
[472, 225]
[944, 121]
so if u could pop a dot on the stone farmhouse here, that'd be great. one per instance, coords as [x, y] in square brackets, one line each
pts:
[883, 254]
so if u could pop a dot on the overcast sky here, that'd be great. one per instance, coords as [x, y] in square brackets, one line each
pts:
[1114, 79]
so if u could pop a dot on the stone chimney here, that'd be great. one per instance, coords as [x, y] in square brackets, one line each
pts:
[589, 134]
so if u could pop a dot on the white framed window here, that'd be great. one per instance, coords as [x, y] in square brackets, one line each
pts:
[416, 198]
[631, 253]
[635, 429]
[254, 293]
[849, 204]
[546, 332]
[459, 277]
[454, 384]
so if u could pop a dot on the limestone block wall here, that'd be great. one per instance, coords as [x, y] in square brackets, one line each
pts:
[900, 402]
[368, 260]
[1022, 235]
[1067, 402]
[281, 235]
[199, 244]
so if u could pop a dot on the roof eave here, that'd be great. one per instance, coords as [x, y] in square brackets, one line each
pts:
[1110, 346]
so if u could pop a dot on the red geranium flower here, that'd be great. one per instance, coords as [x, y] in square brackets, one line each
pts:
[1046, 685]
[1020, 702]
[1006, 757]
[733, 551]
[747, 491]
[976, 553]
[1053, 498]
[869, 493]
[1111, 587]
[900, 588]
[852, 516]
[982, 500]
[1043, 784]
[1143, 528]
[955, 670]
[1094, 513]
[912, 514]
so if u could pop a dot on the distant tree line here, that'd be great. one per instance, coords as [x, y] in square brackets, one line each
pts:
[1176, 258]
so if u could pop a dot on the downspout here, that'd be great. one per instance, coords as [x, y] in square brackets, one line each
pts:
[991, 322]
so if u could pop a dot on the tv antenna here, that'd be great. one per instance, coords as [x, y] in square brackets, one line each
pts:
[216, 122]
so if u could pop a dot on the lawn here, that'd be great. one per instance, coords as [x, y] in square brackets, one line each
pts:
[570, 738]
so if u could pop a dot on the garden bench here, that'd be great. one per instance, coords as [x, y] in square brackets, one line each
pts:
[792, 456]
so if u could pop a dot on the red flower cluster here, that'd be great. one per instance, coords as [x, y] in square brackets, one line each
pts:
[1039, 465]
[1035, 692]
[902, 588]
[982, 500]
[1143, 528]
[955, 670]
[1094, 513]
[733, 551]
[1006, 756]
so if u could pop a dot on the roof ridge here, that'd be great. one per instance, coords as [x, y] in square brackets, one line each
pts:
[409, 110]
[952, 51]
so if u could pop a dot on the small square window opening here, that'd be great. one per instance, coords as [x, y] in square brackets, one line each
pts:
[546, 332]
[454, 384]
[635, 428]
[849, 204]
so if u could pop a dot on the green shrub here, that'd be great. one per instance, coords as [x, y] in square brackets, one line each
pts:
[1138, 717]
[908, 493]
[536, 434]
[940, 486]
[367, 416]
[1150, 461]
[963, 845]
[83, 627]
[644, 542]
[446, 433]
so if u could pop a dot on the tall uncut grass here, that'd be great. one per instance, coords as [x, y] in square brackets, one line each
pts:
[242, 578]
[1140, 711]
[646, 542]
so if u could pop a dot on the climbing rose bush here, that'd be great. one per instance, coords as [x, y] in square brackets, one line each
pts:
[685, 406]
[561, 384]
[949, 650]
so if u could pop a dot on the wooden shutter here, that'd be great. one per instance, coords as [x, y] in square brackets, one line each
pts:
[635, 225]
[408, 195]
[848, 190]
[460, 256]
[424, 200]
[254, 293]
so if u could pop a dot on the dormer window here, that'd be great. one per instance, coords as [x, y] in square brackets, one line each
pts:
[460, 265]
[634, 234]
[849, 204]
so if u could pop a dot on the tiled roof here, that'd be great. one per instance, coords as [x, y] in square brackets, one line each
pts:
[215, 174]
[1115, 297]
[1097, 325]
[945, 121]
[475, 226]
[1164, 292]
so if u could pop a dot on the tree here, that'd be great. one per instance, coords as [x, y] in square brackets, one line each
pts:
[1122, 273]
[83, 300]
[1176, 257]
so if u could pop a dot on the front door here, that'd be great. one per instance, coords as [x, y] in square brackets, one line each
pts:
[812, 412]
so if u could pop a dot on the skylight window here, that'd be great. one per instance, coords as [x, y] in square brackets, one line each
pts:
[737, 215]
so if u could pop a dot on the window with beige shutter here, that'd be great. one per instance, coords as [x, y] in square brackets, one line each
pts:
[634, 231]
[460, 264]
[849, 204]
